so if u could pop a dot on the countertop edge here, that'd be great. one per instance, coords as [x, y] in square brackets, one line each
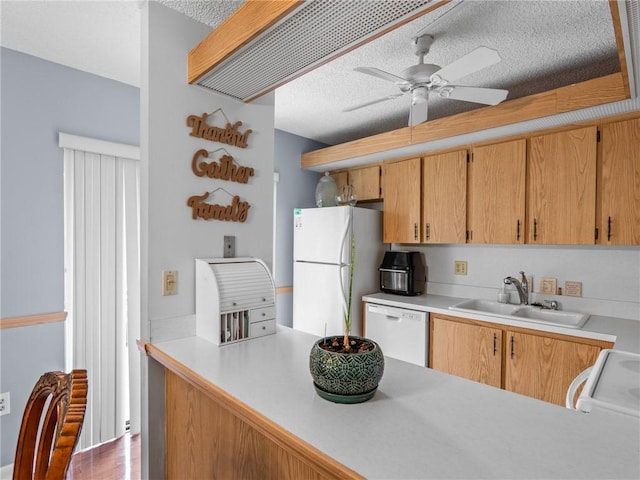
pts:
[608, 329]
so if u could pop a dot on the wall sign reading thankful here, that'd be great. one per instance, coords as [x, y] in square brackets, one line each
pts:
[223, 170]
[229, 135]
[237, 211]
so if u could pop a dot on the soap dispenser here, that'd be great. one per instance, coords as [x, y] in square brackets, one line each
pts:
[503, 295]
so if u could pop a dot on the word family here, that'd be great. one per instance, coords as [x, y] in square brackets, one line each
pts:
[225, 170]
[228, 135]
[236, 212]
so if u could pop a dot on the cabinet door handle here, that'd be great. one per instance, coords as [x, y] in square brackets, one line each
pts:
[513, 346]
[415, 231]
[495, 344]
[518, 230]
[609, 229]
[535, 229]
[427, 231]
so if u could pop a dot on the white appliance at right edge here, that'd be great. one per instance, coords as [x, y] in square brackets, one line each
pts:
[321, 260]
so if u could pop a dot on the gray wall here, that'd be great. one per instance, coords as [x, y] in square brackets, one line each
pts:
[39, 99]
[295, 189]
[171, 239]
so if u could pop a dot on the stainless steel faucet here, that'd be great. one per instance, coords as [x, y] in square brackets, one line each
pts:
[521, 285]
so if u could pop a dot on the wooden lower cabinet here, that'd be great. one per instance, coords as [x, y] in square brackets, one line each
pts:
[466, 350]
[543, 367]
[523, 361]
[210, 435]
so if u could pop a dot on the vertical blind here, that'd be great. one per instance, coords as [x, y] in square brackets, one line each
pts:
[102, 280]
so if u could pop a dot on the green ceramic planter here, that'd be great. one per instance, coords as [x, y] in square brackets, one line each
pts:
[346, 377]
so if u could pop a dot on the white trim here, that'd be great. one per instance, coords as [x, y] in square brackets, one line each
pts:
[86, 144]
[6, 472]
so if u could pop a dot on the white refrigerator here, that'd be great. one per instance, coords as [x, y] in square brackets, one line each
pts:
[321, 260]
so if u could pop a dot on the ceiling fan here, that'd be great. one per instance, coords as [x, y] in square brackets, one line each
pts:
[425, 79]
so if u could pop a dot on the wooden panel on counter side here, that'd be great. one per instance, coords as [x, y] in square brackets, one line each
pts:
[205, 438]
[619, 183]
[496, 193]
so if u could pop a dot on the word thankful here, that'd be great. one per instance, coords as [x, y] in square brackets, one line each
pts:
[236, 212]
[229, 135]
[225, 170]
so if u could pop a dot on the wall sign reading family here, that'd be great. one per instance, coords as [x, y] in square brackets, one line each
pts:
[236, 211]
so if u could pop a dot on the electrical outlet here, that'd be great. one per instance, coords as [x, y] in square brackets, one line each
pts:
[5, 405]
[460, 267]
[169, 282]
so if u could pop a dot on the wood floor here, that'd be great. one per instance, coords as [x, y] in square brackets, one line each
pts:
[118, 459]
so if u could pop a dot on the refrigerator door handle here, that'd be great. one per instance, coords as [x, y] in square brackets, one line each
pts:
[345, 231]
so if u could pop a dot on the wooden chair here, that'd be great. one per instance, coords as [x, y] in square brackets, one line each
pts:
[47, 437]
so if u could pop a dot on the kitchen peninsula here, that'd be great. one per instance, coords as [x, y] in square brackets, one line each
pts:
[249, 410]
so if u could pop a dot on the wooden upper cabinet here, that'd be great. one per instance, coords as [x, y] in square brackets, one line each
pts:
[561, 186]
[465, 350]
[366, 182]
[341, 178]
[543, 367]
[444, 197]
[401, 213]
[496, 193]
[619, 183]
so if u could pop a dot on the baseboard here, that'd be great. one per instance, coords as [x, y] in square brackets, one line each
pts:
[6, 472]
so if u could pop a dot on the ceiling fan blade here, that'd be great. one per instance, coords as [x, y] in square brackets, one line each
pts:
[478, 59]
[376, 72]
[488, 96]
[419, 106]
[372, 102]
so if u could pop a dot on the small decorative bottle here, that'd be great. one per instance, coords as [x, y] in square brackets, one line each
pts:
[326, 191]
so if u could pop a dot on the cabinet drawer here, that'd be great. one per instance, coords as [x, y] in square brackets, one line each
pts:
[259, 329]
[261, 314]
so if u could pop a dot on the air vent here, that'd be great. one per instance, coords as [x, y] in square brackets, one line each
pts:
[317, 31]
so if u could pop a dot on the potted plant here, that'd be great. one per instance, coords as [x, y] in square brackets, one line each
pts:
[346, 368]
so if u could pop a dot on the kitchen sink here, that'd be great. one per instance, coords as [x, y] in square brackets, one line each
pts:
[526, 313]
[485, 306]
[552, 317]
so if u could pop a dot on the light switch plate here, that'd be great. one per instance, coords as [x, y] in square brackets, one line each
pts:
[229, 246]
[169, 282]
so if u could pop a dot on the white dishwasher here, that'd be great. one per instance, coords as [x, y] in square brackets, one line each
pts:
[401, 333]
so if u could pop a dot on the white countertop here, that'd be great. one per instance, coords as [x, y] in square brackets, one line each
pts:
[624, 332]
[421, 423]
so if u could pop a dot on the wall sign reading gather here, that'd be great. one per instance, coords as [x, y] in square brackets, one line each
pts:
[223, 170]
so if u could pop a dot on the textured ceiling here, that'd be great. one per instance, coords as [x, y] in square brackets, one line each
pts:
[543, 45]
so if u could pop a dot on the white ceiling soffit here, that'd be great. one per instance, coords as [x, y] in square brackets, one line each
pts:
[311, 34]
[101, 37]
